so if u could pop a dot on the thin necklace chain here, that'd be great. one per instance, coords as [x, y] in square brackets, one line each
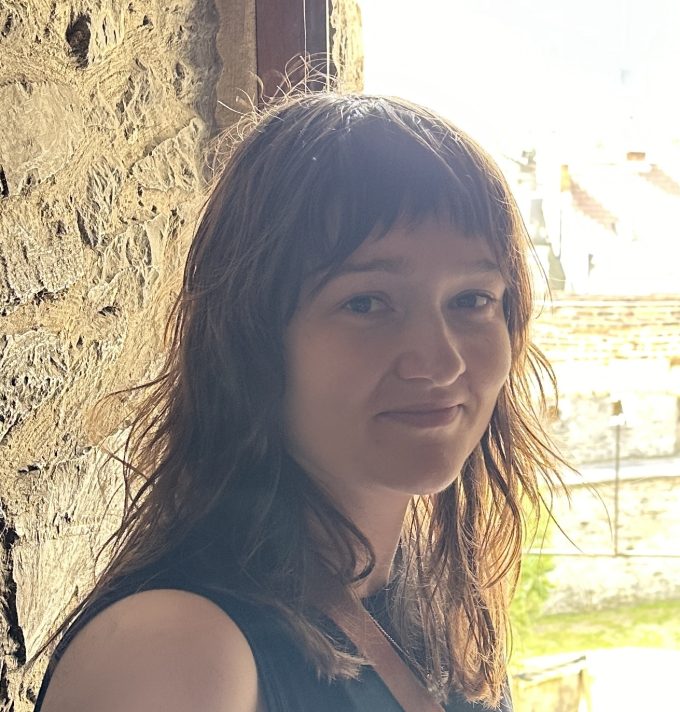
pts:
[396, 645]
[354, 620]
[388, 636]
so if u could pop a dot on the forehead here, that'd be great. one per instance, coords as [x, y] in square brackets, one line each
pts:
[404, 245]
[427, 250]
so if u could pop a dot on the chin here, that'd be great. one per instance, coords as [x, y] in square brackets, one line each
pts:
[429, 482]
[437, 487]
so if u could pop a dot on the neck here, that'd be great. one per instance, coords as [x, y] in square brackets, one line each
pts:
[379, 516]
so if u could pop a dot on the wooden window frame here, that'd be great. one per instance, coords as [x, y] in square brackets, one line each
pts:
[289, 32]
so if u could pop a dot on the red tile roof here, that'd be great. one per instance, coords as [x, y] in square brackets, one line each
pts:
[662, 180]
[592, 208]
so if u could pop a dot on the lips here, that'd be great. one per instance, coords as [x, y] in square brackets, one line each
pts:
[424, 417]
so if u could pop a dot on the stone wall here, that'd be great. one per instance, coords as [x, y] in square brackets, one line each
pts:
[107, 107]
[587, 328]
[607, 349]
[587, 575]
[614, 349]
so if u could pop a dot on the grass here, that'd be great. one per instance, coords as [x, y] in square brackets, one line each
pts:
[648, 625]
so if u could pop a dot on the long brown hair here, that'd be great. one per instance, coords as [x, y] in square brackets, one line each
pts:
[205, 461]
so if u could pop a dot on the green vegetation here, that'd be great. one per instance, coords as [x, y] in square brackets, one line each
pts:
[649, 625]
[532, 592]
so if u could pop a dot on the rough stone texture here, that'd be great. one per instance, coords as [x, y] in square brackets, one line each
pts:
[130, 267]
[176, 159]
[75, 497]
[33, 370]
[31, 147]
[95, 215]
[107, 110]
[77, 503]
[41, 253]
[581, 328]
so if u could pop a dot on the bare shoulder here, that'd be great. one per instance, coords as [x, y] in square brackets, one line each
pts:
[157, 650]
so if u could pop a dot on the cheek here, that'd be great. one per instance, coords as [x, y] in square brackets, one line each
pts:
[490, 363]
[503, 359]
[327, 380]
[326, 405]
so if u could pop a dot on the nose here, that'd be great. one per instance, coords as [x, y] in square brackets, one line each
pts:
[430, 349]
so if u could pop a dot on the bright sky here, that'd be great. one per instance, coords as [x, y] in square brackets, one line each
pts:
[522, 73]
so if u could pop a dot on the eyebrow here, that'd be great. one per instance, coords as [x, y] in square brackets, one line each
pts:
[395, 265]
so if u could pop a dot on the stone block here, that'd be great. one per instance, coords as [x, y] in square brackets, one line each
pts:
[94, 30]
[40, 251]
[33, 369]
[107, 28]
[60, 533]
[12, 20]
[94, 214]
[581, 583]
[649, 523]
[130, 266]
[142, 101]
[42, 129]
[188, 32]
[174, 163]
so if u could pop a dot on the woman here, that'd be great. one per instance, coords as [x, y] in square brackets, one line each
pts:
[335, 455]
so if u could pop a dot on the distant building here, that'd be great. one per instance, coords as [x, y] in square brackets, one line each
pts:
[603, 228]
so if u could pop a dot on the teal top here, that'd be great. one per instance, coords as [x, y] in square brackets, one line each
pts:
[288, 682]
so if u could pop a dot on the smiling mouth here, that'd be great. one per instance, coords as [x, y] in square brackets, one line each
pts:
[425, 418]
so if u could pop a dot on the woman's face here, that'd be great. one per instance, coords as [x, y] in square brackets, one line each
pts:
[393, 368]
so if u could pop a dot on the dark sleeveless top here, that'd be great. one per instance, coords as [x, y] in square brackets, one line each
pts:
[287, 680]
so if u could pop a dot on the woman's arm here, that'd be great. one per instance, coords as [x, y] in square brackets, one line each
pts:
[162, 650]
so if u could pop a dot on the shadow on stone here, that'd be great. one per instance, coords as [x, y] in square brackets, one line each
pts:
[78, 39]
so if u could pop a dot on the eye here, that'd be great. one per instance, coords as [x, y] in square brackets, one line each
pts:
[364, 304]
[474, 300]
